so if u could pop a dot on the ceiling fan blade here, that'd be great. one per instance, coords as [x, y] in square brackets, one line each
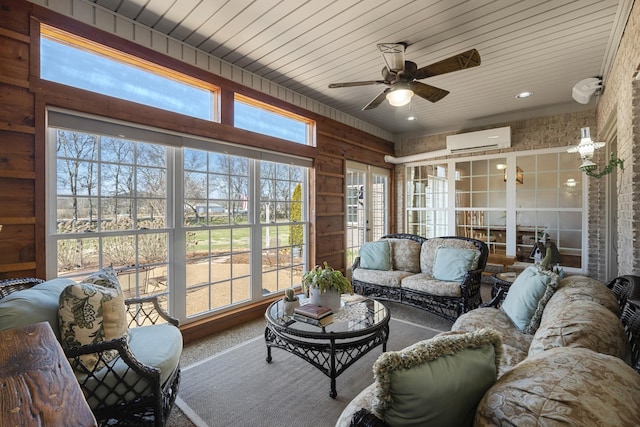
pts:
[468, 59]
[377, 100]
[393, 55]
[428, 92]
[352, 84]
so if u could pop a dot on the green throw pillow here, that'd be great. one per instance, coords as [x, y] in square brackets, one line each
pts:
[452, 264]
[376, 255]
[93, 311]
[527, 297]
[437, 382]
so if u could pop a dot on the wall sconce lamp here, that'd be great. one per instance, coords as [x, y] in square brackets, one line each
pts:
[586, 148]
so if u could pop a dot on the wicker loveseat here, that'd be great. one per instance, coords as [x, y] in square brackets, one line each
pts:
[410, 278]
[131, 380]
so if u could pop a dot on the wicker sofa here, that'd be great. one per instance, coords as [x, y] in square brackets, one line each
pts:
[131, 380]
[410, 276]
[580, 366]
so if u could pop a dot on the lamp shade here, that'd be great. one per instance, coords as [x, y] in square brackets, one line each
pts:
[399, 97]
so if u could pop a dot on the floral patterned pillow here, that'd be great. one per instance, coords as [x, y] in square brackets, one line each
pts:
[93, 311]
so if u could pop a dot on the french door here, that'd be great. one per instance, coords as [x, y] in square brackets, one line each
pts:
[367, 209]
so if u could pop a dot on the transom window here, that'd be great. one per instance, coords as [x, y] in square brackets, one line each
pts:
[73, 61]
[266, 119]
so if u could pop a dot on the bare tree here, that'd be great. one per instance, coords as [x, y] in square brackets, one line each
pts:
[195, 180]
[76, 152]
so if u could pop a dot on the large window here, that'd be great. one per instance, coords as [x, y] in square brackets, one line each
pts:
[204, 224]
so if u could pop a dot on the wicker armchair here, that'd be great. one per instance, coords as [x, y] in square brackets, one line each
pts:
[123, 391]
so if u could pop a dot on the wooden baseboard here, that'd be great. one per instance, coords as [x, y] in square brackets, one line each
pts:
[212, 325]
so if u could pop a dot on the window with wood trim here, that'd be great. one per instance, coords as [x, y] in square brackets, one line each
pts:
[73, 61]
[266, 119]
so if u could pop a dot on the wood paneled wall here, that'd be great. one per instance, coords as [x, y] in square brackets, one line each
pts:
[18, 191]
[24, 97]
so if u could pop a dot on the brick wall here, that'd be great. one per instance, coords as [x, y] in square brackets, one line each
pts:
[620, 101]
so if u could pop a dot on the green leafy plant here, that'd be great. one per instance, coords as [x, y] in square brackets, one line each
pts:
[290, 295]
[326, 278]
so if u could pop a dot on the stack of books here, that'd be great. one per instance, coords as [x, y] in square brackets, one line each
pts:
[313, 315]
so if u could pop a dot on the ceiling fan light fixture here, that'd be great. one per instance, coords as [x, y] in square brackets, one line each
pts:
[399, 97]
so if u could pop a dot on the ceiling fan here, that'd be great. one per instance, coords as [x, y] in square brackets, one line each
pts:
[401, 76]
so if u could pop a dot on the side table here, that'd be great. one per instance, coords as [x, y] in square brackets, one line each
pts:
[37, 385]
[502, 281]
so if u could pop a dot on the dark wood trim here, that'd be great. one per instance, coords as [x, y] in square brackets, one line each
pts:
[218, 323]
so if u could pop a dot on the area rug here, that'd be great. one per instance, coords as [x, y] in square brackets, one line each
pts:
[239, 388]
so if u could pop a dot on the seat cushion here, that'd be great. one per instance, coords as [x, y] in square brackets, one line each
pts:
[158, 346]
[33, 305]
[528, 296]
[415, 385]
[564, 386]
[381, 278]
[426, 283]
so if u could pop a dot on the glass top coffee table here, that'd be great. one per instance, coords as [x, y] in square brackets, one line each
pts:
[357, 328]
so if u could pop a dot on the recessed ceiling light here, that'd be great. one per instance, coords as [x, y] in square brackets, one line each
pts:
[411, 118]
[522, 95]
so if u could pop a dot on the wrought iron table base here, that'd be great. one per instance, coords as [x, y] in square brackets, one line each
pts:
[331, 358]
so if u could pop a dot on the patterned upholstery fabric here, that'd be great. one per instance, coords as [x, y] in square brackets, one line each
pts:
[425, 283]
[586, 325]
[582, 288]
[367, 399]
[564, 386]
[93, 311]
[383, 278]
[515, 344]
[405, 255]
[430, 247]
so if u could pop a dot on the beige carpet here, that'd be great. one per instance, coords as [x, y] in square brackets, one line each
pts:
[239, 388]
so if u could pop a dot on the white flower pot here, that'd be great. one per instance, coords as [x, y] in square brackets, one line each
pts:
[289, 306]
[330, 298]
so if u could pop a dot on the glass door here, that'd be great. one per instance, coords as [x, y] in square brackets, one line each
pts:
[367, 209]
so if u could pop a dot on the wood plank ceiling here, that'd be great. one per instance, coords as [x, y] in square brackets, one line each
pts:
[544, 46]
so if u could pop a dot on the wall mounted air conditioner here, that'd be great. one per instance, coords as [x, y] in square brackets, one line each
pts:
[490, 139]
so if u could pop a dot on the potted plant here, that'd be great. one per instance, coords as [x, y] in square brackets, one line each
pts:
[290, 301]
[324, 285]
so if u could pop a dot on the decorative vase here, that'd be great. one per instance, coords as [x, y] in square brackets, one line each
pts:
[289, 306]
[329, 298]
